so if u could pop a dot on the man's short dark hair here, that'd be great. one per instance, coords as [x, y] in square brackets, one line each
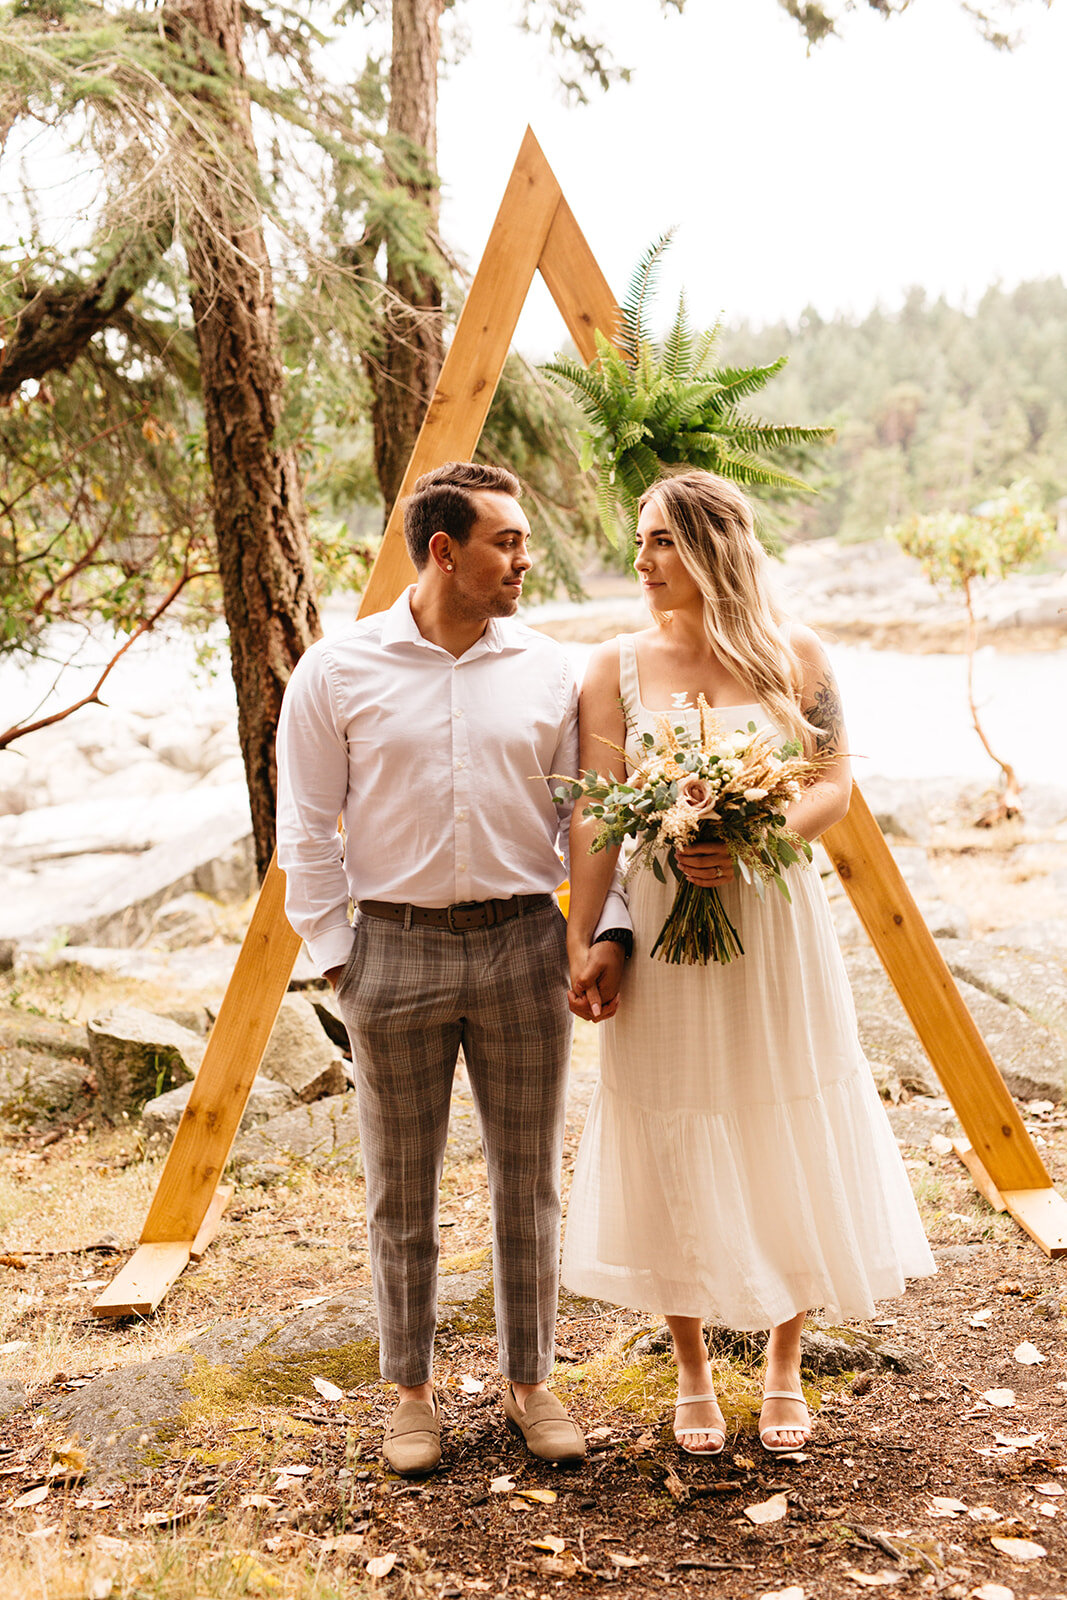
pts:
[443, 502]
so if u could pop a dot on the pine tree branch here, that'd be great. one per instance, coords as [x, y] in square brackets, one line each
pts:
[56, 323]
[19, 730]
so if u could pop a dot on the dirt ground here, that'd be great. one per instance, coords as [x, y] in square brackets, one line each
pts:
[910, 1475]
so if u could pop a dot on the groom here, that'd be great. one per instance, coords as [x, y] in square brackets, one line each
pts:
[432, 729]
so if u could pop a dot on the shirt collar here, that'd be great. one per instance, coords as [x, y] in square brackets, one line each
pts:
[399, 627]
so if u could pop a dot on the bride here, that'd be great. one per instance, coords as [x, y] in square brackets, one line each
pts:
[736, 1163]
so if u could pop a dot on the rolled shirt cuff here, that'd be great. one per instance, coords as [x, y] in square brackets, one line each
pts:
[616, 913]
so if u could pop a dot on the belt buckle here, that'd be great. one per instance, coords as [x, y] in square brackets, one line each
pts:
[463, 905]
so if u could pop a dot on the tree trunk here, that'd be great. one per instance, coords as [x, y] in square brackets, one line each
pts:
[404, 369]
[259, 514]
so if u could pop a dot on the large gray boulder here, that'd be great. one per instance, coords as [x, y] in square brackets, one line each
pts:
[1032, 1059]
[45, 1076]
[300, 1055]
[266, 1100]
[1018, 977]
[899, 808]
[188, 919]
[136, 1055]
[898, 1061]
[320, 1134]
[134, 1413]
[1047, 936]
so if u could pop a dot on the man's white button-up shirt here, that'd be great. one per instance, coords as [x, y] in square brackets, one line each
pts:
[440, 768]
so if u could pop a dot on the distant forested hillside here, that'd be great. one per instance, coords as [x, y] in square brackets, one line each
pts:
[934, 406]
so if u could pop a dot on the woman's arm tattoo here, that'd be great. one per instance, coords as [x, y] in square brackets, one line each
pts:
[826, 715]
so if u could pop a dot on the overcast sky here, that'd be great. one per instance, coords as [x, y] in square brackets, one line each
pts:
[908, 152]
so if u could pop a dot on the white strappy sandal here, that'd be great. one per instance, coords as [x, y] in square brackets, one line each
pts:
[681, 1434]
[804, 1427]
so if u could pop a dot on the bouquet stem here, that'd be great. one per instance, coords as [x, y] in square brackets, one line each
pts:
[697, 929]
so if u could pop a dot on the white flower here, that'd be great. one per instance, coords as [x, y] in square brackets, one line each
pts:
[755, 794]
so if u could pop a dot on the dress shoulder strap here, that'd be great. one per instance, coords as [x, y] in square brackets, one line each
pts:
[629, 684]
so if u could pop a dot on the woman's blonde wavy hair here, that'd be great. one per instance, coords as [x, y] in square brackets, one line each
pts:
[712, 525]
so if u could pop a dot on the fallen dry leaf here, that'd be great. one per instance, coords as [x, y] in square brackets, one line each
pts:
[110, 1546]
[379, 1566]
[258, 1502]
[598, 1435]
[942, 1505]
[992, 1591]
[794, 1592]
[1050, 1490]
[563, 1566]
[505, 1484]
[328, 1390]
[167, 1519]
[13, 1347]
[1019, 1549]
[1024, 1441]
[980, 1318]
[32, 1497]
[1028, 1355]
[873, 1580]
[772, 1510]
[518, 1505]
[1047, 1509]
[471, 1385]
[541, 1497]
[85, 1502]
[551, 1542]
[299, 1471]
[619, 1559]
[344, 1542]
[985, 1514]
[312, 1300]
[942, 1147]
[1002, 1398]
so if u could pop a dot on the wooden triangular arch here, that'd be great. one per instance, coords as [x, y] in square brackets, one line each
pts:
[535, 230]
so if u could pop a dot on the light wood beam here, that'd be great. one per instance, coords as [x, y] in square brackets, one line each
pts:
[476, 356]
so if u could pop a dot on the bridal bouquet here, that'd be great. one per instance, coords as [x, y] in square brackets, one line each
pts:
[702, 788]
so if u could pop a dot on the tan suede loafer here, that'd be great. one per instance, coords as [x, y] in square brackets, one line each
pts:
[411, 1444]
[545, 1426]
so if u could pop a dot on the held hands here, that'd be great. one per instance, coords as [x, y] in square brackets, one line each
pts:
[708, 866]
[332, 975]
[596, 973]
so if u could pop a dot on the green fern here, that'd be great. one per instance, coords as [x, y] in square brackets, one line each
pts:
[651, 406]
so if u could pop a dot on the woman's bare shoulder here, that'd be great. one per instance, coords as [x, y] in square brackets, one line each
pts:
[806, 646]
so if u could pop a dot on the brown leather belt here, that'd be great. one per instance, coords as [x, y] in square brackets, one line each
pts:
[461, 918]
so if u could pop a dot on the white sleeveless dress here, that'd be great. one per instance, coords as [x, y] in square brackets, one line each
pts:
[737, 1163]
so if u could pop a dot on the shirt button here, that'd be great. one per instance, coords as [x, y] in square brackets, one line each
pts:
[457, 713]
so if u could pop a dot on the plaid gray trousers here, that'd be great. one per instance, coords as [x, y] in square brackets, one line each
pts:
[410, 997]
